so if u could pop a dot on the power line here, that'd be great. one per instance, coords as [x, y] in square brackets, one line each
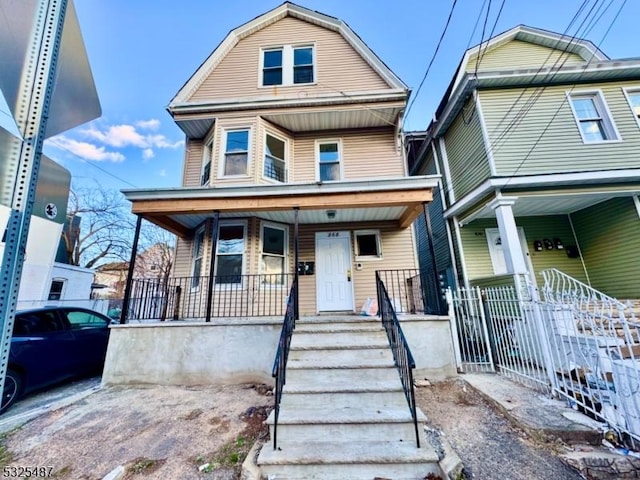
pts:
[562, 104]
[433, 57]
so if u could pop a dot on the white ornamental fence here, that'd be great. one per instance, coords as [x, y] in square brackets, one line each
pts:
[565, 339]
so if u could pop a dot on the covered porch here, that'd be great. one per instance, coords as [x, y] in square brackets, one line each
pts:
[241, 248]
[586, 231]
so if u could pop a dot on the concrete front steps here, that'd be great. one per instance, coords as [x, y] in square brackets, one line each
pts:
[343, 413]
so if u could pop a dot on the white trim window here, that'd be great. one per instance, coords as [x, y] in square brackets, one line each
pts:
[287, 65]
[230, 251]
[368, 244]
[207, 156]
[197, 256]
[274, 246]
[329, 154]
[235, 157]
[633, 97]
[275, 158]
[592, 117]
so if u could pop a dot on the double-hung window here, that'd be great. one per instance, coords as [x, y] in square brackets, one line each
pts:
[205, 177]
[592, 117]
[272, 67]
[273, 262]
[633, 96]
[236, 153]
[197, 254]
[230, 254]
[275, 166]
[288, 65]
[303, 65]
[328, 161]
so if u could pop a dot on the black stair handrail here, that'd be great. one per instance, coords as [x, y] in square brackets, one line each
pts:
[280, 363]
[402, 356]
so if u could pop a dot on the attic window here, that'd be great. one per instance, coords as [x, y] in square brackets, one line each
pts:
[288, 65]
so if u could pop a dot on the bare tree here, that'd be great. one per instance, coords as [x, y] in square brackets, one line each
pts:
[99, 227]
[156, 253]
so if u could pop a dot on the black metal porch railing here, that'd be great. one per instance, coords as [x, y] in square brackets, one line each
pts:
[413, 291]
[178, 298]
[282, 355]
[400, 349]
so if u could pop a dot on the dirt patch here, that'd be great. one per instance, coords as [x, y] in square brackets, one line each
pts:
[489, 446]
[154, 432]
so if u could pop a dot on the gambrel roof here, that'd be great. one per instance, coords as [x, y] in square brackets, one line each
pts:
[266, 19]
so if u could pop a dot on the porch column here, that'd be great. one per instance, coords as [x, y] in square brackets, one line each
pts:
[296, 312]
[212, 266]
[513, 256]
[132, 264]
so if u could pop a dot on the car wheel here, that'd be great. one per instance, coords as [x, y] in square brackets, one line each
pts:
[12, 387]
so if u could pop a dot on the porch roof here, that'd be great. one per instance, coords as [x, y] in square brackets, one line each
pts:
[180, 210]
[558, 194]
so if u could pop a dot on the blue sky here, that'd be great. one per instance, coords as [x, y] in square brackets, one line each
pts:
[141, 53]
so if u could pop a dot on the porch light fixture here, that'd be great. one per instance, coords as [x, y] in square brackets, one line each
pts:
[331, 214]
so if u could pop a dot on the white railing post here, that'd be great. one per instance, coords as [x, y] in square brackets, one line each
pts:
[485, 331]
[543, 337]
[453, 323]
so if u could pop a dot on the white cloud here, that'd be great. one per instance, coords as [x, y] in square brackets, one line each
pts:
[121, 136]
[147, 153]
[162, 173]
[161, 141]
[151, 124]
[85, 150]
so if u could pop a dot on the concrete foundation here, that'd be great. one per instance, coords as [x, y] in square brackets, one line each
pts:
[240, 350]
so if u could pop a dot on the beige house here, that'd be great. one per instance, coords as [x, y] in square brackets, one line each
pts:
[293, 157]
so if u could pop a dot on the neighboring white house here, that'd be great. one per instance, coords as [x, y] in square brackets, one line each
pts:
[45, 281]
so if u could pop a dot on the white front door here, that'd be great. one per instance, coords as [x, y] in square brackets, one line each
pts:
[497, 254]
[333, 272]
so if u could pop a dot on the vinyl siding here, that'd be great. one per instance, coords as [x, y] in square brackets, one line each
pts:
[339, 68]
[608, 234]
[517, 54]
[192, 169]
[365, 154]
[466, 151]
[397, 249]
[478, 260]
[369, 153]
[548, 139]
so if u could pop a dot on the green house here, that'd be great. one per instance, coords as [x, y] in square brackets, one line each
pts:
[537, 143]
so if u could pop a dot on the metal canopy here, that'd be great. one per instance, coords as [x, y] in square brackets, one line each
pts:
[74, 100]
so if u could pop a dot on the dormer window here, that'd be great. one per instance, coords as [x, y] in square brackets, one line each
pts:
[288, 65]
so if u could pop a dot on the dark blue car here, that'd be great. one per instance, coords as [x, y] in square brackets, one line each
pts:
[53, 344]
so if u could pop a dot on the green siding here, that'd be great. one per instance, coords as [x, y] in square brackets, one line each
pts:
[476, 250]
[548, 140]
[518, 54]
[609, 237]
[466, 151]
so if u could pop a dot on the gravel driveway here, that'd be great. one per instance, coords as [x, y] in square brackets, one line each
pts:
[168, 432]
